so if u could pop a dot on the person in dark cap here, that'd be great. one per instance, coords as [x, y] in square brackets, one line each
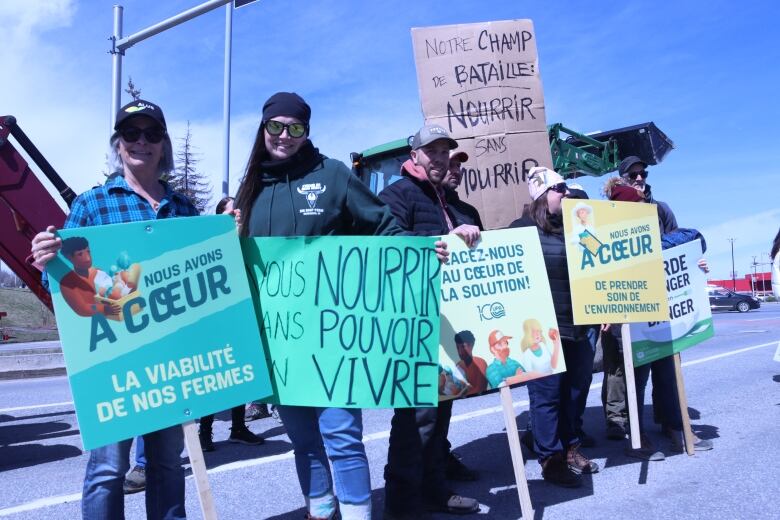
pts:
[464, 212]
[633, 171]
[416, 470]
[291, 189]
[140, 155]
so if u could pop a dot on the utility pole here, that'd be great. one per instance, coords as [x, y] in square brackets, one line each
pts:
[753, 279]
[733, 274]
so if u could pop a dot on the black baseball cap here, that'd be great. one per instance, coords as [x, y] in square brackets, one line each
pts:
[628, 162]
[140, 107]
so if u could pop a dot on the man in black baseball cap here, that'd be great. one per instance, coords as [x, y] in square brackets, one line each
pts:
[140, 107]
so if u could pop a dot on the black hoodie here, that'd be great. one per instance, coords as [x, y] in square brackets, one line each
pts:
[317, 196]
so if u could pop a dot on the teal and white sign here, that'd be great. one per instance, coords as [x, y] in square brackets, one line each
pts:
[689, 309]
[498, 323]
[350, 322]
[156, 323]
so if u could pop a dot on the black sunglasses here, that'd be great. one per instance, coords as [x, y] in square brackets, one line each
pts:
[131, 134]
[559, 188]
[293, 129]
[634, 175]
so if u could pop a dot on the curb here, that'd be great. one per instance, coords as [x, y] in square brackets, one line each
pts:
[30, 362]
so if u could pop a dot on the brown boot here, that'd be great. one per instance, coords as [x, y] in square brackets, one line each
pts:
[556, 471]
[578, 462]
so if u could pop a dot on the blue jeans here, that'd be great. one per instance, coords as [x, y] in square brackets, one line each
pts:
[140, 453]
[103, 498]
[664, 390]
[557, 402]
[319, 434]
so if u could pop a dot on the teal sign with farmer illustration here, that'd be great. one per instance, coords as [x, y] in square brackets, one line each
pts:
[156, 323]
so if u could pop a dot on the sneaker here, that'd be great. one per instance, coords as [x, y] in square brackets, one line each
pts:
[206, 437]
[678, 442]
[556, 471]
[578, 462]
[457, 505]
[135, 481]
[586, 441]
[647, 451]
[256, 411]
[616, 432]
[243, 435]
[456, 470]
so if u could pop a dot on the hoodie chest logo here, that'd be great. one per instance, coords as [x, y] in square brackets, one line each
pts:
[311, 193]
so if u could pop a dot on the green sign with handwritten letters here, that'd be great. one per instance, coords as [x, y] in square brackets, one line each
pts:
[156, 323]
[348, 321]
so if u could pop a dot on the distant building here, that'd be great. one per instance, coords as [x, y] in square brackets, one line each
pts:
[761, 283]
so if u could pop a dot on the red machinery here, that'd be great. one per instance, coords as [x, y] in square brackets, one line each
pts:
[26, 207]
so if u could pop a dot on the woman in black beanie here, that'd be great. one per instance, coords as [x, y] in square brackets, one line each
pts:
[290, 189]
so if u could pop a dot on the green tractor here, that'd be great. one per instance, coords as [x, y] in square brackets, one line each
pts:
[574, 154]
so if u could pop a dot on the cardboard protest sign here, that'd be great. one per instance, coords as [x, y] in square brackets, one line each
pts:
[481, 82]
[690, 316]
[615, 262]
[497, 317]
[348, 321]
[482, 78]
[494, 177]
[156, 324]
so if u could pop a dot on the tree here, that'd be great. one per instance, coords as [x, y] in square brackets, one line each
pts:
[186, 179]
[135, 93]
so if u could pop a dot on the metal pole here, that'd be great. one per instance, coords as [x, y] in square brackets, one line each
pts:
[226, 99]
[126, 43]
[116, 65]
[733, 274]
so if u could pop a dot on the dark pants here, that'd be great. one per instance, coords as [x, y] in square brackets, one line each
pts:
[558, 401]
[416, 458]
[613, 389]
[236, 416]
[664, 390]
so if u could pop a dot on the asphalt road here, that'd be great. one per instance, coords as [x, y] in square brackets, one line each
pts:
[733, 394]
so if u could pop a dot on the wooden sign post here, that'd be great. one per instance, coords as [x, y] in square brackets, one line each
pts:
[686, 420]
[517, 454]
[628, 363]
[198, 464]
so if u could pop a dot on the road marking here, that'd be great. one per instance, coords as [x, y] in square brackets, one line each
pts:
[64, 499]
[35, 406]
[41, 503]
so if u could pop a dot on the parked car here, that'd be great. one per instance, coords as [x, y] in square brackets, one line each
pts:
[724, 299]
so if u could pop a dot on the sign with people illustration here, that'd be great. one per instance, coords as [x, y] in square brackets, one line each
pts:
[350, 322]
[498, 324]
[156, 324]
[615, 261]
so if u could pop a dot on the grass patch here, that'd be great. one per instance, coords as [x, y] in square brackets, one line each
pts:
[27, 318]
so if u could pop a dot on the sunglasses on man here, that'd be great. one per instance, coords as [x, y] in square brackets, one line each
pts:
[131, 134]
[277, 127]
[634, 175]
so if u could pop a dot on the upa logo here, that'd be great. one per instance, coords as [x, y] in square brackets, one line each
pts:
[491, 311]
[311, 192]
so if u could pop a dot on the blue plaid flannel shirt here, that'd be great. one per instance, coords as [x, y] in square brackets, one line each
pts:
[116, 203]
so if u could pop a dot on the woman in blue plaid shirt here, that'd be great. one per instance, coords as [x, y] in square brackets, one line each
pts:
[141, 154]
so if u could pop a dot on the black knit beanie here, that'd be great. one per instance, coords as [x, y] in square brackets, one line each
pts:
[287, 104]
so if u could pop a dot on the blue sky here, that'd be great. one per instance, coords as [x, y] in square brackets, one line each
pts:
[704, 71]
